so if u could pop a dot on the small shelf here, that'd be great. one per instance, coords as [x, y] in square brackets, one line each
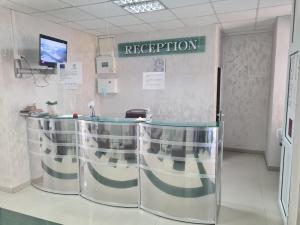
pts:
[45, 71]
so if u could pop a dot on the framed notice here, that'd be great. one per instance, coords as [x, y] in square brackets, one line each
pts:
[292, 96]
[153, 80]
[70, 75]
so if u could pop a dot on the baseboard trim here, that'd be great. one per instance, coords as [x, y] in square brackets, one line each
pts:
[37, 180]
[6, 189]
[271, 168]
[15, 189]
[240, 150]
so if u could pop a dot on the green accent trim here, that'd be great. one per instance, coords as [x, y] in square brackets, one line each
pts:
[99, 154]
[208, 186]
[58, 159]
[8, 217]
[113, 160]
[179, 165]
[51, 103]
[59, 175]
[111, 183]
[163, 47]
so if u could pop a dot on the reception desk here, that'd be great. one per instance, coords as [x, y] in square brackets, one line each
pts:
[169, 169]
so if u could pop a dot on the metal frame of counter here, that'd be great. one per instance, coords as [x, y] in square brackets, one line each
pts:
[169, 169]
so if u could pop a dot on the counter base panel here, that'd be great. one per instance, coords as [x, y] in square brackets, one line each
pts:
[55, 191]
[178, 197]
[48, 174]
[157, 213]
[113, 204]
[109, 185]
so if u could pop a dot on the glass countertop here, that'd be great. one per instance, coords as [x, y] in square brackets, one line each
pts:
[127, 120]
[154, 122]
[108, 119]
[182, 124]
[87, 118]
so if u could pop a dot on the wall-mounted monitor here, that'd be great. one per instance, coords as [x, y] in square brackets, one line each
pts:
[52, 51]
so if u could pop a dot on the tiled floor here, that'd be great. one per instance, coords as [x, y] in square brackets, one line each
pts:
[250, 191]
[249, 197]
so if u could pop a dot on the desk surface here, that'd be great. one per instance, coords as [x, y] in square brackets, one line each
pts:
[99, 119]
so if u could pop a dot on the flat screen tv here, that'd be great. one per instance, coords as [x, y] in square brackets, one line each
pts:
[52, 51]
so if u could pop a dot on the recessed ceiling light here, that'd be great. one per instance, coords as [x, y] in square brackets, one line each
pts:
[140, 6]
[128, 2]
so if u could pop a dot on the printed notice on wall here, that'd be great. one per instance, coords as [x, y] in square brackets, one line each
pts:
[153, 80]
[70, 75]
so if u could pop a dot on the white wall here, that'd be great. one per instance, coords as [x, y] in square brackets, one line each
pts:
[246, 81]
[190, 87]
[15, 93]
[190, 91]
[281, 42]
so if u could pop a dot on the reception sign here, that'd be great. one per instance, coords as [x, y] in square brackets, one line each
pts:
[162, 47]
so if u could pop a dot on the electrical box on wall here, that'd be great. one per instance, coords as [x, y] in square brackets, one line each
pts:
[105, 64]
[108, 86]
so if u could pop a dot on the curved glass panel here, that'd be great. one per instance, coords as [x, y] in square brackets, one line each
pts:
[178, 164]
[108, 161]
[53, 155]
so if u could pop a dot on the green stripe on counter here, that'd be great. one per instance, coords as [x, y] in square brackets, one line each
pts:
[208, 187]
[109, 182]
[59, 175]
[179, 165]
[8, 217]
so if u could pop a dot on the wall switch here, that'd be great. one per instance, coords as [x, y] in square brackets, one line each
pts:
[108, 86]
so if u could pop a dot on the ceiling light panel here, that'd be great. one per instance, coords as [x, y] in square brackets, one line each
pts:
[127, 2]
[140, 6]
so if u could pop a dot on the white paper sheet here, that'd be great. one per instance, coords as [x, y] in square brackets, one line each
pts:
[71, 75]
[153, 80]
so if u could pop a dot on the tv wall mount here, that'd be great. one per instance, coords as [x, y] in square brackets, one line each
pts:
[21, 71]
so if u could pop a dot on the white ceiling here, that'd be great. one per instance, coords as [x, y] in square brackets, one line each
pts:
[103, 17]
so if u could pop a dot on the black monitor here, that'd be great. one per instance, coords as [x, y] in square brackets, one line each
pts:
[52, 51]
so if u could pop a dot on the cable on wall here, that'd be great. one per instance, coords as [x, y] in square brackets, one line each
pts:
[33, 75]
[13, 25]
